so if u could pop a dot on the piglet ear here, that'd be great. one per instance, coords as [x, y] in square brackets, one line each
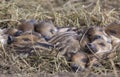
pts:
[113, 29]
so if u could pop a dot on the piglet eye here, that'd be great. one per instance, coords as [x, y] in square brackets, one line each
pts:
[112, 32]
[102, 44]
[97, 37]
[52, 31]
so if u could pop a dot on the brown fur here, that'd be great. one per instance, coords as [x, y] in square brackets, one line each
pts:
[98, 41]
[13, 32]
[70, 43]
[26, 25]
[66, 43]
[29, 41]
[46, 29]
[113, 30]
[107, 44]
[79, 61]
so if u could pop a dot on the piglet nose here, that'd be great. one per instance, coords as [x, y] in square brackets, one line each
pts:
[89, 45]
[52, 31]
[47, 38]
[18, 33]
[10, 39]
[92, 47]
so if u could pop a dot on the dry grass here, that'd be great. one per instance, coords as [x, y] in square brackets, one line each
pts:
[78, 13]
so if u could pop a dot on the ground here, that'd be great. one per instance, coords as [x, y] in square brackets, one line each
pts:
[77, 13]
